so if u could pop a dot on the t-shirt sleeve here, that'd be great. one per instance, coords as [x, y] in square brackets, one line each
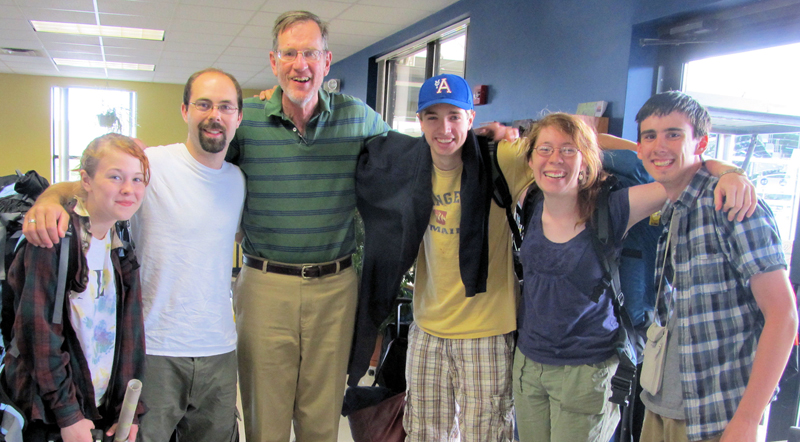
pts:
[511, 158]
[620, 211]
[374, 124]
[754, 244]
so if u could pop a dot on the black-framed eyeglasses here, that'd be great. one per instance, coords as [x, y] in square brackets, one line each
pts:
[290, 55]
[206, 106]
[565, 151]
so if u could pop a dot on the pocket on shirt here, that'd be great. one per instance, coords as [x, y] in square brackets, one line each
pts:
[710, 272]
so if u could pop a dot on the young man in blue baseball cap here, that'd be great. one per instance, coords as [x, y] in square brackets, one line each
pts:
[460, 344]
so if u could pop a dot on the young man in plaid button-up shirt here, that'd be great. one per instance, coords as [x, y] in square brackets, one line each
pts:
[733, 316]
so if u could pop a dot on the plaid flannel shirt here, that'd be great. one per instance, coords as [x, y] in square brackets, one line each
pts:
[719, 320]
[48, 377]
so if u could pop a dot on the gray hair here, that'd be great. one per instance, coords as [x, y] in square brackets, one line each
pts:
[290, 18]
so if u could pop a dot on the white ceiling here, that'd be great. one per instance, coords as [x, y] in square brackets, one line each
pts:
[234, 35]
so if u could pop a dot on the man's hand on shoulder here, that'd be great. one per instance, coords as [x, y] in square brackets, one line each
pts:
[47, 221]
[497, 131]
[736, 195]
[267, 94]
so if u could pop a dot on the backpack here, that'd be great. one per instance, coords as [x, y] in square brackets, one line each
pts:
[18, 194]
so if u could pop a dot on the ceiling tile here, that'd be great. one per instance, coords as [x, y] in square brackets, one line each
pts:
[256, 32]
[207, 27]
[46, 38]
[8, 42]
[248, 5]
[127, 7]
[379, 14]
[133, 58]
[237, 68]
[10, 11]
[324, 9]
[20, 59]
[251, 60]
[15, 24]
[254, 43]
[265, 19]
[221, 14]
[77, 55]
[67, 5]
[57, 15]
[207, 58]
[340, 26]
[136, 21]
[247, 52]
[176, 46]
[200, 38]
[147, 45]
[423, 5]
[72, 47]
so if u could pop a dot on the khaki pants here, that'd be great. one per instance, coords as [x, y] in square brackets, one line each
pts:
[564, 402]
[657, 428]
[293, 348]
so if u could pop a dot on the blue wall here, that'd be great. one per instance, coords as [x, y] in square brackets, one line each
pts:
[545, 55]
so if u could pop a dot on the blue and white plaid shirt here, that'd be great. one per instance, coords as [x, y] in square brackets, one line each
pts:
[719, 320]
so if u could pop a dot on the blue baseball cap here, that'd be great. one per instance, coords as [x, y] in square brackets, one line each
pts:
[445, 88]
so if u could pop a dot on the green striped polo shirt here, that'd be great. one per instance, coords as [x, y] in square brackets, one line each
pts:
[301, 189]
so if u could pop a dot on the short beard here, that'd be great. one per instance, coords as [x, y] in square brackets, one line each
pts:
[212, 145]
[300, 101]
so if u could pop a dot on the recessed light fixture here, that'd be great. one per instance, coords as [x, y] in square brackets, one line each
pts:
[104, 64]
[98, 30]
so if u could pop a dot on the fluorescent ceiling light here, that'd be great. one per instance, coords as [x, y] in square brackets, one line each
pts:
[97, 30]
[104, 64]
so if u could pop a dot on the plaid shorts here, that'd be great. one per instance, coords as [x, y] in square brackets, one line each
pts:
[459, 389]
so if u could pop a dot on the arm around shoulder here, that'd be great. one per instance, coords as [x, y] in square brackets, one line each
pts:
[46, 222]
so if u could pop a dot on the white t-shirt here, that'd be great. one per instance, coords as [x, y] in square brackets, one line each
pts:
[93, 314]
[184, 236]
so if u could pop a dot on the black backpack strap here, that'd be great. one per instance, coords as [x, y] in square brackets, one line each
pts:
[624, 381]
[61, 288]
[501, 194]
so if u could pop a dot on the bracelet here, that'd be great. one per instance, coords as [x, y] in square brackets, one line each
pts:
[736, 170]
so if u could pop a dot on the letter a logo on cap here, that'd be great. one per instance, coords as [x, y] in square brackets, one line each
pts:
[443, 86]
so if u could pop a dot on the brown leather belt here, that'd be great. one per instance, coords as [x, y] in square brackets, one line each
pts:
[304, 271]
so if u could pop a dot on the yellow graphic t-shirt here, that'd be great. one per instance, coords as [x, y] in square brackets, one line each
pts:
[441, 307]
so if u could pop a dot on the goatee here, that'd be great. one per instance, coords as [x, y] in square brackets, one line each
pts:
[212, 145]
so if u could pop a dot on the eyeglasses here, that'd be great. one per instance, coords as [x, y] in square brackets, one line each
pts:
[565, 151]
[206, 106]
[290, 55]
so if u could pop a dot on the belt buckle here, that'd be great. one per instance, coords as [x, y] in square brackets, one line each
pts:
[303, 271]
